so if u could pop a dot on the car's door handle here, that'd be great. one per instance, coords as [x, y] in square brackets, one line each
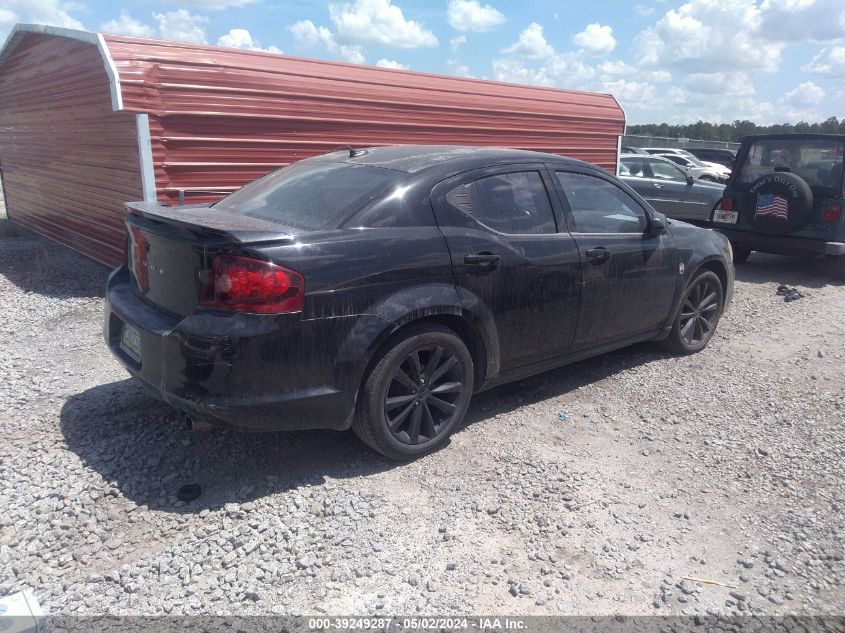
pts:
[485, 260]
[658, 185]
[598, 255]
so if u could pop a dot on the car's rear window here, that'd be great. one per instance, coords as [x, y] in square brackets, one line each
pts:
[818, 161]
[311, 195]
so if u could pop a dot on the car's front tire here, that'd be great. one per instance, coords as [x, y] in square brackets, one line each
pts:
[416, 394]
[696, 321]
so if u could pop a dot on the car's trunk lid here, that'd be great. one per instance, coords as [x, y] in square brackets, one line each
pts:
[170, 249]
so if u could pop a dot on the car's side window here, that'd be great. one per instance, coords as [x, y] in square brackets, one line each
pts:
[514, 203]
[666, 171]
[634, 167]
[599, 206]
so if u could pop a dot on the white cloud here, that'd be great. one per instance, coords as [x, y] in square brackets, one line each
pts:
[617, 68]
[471, 15]
[643, 10]
[710, 36]
[50, 12]
[127, 25]
[242, 38]
[531, 44]
[596, 39]
[217, 5]
[565, 70]
[307, 35]
[801, 20]
[378, 22]
[456, 42]
[7, 16]
[631, 93]
[182, 26]
[458, 69]
[828, 61]
[515, 71]
[391, 63]
[725, 84]
[805, 94]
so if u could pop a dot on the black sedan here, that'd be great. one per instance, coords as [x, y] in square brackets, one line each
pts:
[379, 289]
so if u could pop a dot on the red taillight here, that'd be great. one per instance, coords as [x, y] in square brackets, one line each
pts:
[831, 213]
[245, 284]
[727, 204]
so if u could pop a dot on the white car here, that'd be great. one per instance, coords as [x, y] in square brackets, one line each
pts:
[698, 169]
[721, 170]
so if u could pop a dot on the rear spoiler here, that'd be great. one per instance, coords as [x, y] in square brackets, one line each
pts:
[206, 219]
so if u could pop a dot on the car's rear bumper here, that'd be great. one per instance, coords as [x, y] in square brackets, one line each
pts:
[781, 244]
[253, 372]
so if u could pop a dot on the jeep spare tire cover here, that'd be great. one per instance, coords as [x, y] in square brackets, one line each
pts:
[778, 203]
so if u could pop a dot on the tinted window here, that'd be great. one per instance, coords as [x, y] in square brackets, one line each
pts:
[633, 167]
[818, 161]
[311, 195]
[599, 206]
[507, 203]
[666, 171]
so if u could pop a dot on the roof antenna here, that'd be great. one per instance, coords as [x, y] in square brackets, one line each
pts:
[353, 153]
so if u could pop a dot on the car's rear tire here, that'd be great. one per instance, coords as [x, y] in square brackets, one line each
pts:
[416, 394]
[698, 316]
[741, 253]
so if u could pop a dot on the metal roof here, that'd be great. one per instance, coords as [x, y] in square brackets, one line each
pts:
[207, 119]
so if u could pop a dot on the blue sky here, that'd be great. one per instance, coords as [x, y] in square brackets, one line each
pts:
[716, 60]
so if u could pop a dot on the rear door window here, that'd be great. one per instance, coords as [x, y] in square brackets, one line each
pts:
[513, 203]
[599, 206]
[311, 195]
[634, 167]
[666, 171]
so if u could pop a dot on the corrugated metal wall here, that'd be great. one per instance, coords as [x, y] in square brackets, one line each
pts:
[221, 117]
[68, 161]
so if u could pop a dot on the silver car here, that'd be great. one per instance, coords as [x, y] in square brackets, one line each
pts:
[669, 188]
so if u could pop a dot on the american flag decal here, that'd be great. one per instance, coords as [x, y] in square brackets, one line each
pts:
[773, 206]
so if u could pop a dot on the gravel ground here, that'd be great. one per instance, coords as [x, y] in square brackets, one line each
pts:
[593, 489]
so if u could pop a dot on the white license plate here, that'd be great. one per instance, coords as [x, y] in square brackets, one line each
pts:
[130, 341]
[728, 217]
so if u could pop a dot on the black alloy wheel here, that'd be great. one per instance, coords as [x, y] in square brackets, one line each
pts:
[699, 311]
[701, 308]
[417, 394]
[423, 394]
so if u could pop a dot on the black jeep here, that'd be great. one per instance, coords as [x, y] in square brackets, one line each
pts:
[785, 196]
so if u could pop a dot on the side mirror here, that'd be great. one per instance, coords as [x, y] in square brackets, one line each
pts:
[658, 224]
[690, 179]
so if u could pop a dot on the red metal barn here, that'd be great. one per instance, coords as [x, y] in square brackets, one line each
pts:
[90, 121]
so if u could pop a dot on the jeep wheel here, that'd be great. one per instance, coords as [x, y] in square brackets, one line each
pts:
[741, 253]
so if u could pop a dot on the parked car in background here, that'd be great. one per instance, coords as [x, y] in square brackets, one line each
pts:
[381, 288]
[716, 173]
[725, 157]
[785, 196]
[626, 149]
[669, 188]
[667, 150]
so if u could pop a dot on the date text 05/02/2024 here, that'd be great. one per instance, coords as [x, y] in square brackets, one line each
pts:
[417, 623]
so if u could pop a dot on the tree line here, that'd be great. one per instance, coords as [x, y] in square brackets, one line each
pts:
[733, 132]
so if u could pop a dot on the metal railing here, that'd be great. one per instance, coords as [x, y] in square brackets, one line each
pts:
[634, 140]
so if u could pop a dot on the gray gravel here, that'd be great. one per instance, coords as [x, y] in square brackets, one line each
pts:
[726, 465]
